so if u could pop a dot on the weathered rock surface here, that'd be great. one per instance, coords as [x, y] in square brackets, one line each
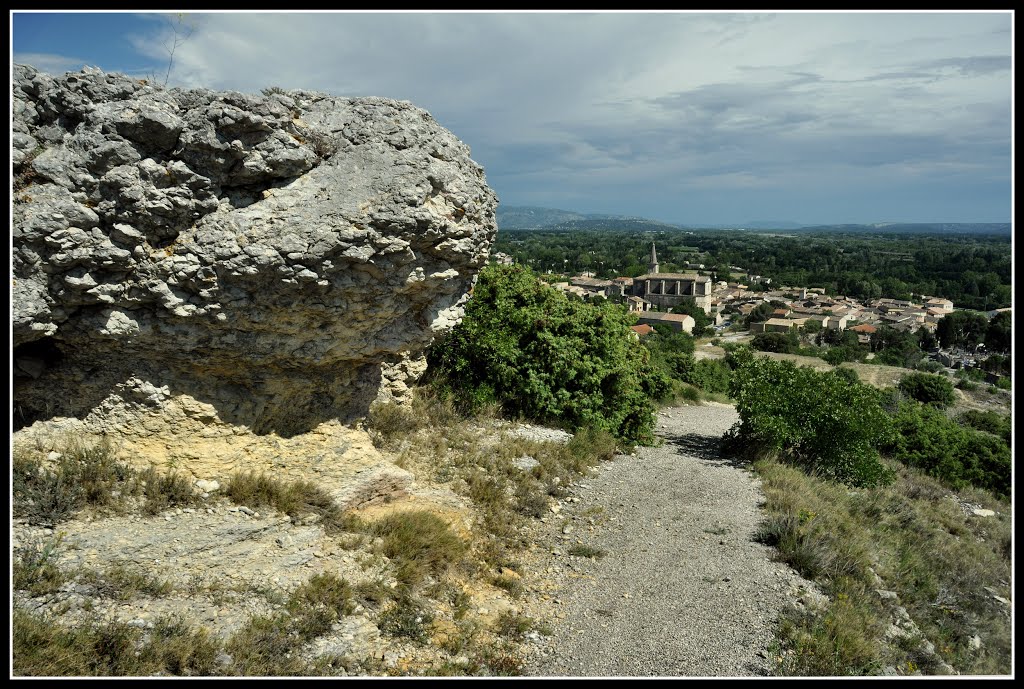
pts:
[190, 262]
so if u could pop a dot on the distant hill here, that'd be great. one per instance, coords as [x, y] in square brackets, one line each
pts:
[536, 218]
[771, 225]
[1004, 228]
[532, 217]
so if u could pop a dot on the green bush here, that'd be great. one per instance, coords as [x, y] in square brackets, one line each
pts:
[927, 439]
[836, 355]
[297, 499]
[546, 358]
[819, 421]
[784, 343]
[928, 388]
[929, 366]
[847, 374]
[989, 421]
[710, 375]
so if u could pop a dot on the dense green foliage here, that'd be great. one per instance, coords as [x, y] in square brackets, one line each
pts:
[927, 439]
[989, 421]
[526, 346]
[710, 375]
[843, 345]
[896, 347]
[927, 388]
[973, 271]
[997, 334]
[702, 324]
[760, 313]
[673, 362]
[961, 329]
[775, 342]
[819, 421]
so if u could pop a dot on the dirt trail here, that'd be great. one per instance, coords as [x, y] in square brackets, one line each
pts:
[682, 589]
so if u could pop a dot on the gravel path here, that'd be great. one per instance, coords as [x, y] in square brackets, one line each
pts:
[682, 589]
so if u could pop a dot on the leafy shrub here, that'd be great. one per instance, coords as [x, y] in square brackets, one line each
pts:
[838, 354]
[928, 388]
[925, 438]
[710, 375]
[816, 420]
[783, 343]
[525, 345]
[847, 374]
[989, 421]
[929, 366]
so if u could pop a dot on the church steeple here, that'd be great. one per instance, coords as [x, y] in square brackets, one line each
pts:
[653, 266]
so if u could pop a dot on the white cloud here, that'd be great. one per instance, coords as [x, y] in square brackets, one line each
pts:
[577, 99]
[50, 63]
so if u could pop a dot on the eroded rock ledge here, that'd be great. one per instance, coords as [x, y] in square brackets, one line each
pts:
[189, 261]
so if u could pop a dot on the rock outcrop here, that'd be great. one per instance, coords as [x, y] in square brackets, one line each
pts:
[187, 262]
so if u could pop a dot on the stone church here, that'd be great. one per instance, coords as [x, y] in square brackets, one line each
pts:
[671, 289]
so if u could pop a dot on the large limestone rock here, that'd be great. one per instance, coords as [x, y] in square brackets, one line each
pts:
[192, 262]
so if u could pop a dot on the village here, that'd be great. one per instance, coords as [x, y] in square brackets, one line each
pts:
[655, 295]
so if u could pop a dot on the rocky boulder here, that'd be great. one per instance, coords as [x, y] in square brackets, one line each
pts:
[185, 260]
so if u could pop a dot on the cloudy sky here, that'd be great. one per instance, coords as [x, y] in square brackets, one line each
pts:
[717, 118]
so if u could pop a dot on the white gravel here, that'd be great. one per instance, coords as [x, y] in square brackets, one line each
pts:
[683, 589]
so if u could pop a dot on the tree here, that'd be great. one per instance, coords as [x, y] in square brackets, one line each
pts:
[997, 334]
[784, 343]
[961, 329]
[812, 327]
[925, 438]
[542, 356]
[760, 313]
[895, 347]
[701, 323]
[926, 339]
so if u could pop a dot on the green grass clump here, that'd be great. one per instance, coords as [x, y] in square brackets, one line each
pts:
[407, 619]
[121, 583]
[296, 498]
[418, 542]
[164, 491]
[515, 626]
[271, 645]
[319, 603]
[35, 567]
[44, 648]
[83, 475]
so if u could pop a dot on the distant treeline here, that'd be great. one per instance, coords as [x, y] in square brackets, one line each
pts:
[972, 270]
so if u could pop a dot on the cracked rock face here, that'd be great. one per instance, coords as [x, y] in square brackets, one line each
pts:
[206, 257]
